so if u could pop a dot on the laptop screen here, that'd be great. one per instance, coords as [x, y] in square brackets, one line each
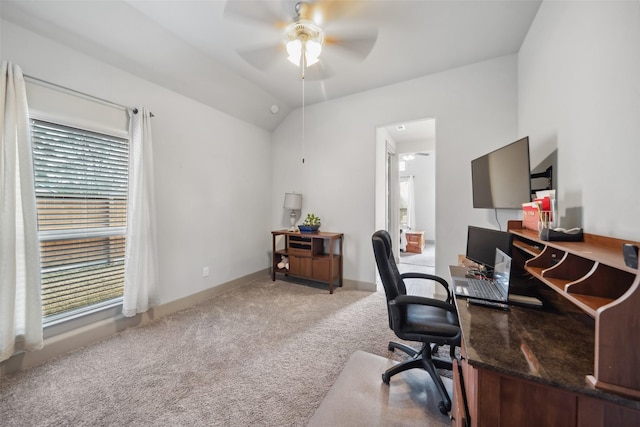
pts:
[502, 271]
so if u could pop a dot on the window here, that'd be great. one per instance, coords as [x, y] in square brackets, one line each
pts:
[81, 180]
[404, 202]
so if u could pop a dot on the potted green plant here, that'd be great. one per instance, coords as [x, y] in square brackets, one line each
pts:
[311, 224]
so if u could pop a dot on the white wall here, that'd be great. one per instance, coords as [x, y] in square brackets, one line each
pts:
[579, 91]
[476, 111]
[212, 180]
[214, 187]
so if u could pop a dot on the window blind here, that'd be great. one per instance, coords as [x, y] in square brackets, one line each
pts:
[81, 180]
[57, 104]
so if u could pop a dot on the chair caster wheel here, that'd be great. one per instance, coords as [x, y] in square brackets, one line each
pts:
[385, 379]
[390, 347]
[443, 408]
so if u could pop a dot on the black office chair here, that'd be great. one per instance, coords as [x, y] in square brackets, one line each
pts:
[430, 321]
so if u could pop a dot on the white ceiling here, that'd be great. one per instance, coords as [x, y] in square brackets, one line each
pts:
[190, 46]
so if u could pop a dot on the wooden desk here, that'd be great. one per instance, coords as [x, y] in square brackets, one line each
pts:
[592, 276]
[538, 367]
[309, 257]
[527, 367]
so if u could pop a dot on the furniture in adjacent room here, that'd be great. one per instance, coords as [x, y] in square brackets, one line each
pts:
[429, 321]
[314, 256]
[415, 241]
[573, 362]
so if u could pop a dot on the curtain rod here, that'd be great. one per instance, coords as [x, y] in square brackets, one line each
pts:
[135, 111]
[82, 94]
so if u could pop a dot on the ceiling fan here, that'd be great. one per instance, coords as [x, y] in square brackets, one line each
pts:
[410, 156]
[310, 34]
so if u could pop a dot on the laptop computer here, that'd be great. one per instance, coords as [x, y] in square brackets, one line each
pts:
[493, 292]
[496, 289]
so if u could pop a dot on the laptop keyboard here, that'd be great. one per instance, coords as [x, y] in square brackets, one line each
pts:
[483, 289]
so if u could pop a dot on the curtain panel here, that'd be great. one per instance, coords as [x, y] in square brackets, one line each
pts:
[411, 203]
[141, 287]
[20, 294]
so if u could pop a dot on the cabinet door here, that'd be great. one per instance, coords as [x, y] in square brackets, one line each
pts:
[470, 378]
[507, 401]
[599, 413]
[458, 405]
[300, 266]
[321, 269]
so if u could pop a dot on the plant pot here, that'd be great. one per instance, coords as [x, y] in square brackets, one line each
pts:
[308, 228]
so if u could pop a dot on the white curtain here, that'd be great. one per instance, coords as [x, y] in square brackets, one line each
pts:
[20, 295]
[411, 203]
[141, 287]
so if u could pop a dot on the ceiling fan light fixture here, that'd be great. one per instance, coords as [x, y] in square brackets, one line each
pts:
[294, 49]
[312, 52]
[305, 42]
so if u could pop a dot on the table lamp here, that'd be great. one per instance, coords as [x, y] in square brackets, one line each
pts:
[293, 201]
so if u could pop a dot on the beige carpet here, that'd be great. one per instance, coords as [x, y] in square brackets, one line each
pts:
[266, 353]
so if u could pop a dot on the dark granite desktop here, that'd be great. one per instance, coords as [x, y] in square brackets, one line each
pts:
[551, 345]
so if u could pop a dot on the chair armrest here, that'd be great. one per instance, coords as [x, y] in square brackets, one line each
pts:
[418, 300]
[432, 277]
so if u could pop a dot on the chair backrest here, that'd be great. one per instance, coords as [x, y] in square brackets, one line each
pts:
[387, 268]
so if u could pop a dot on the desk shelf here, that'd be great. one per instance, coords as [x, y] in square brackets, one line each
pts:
[527, 248]
[593, 276]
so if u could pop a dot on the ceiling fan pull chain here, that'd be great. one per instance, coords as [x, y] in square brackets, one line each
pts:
[303, 114]
[303, 59]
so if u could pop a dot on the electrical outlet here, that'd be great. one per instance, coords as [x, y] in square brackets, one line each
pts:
[205, 272]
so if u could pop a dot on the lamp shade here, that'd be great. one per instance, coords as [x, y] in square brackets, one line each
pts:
[310, 48]
[294, 49]
[312, 52]
[292, 201]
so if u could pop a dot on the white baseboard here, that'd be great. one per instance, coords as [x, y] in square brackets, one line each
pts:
[358, 285]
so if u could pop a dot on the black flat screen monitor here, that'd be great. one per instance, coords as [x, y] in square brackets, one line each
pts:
[482, 244]
[502, 178]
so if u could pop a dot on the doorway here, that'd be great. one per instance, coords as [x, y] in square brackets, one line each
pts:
[405, 191]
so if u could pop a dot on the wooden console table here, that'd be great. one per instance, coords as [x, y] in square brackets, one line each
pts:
[311, 256]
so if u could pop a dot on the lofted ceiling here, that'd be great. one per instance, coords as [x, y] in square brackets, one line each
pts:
[194, 47]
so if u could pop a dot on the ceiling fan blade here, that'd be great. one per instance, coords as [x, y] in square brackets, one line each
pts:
[323, 11]
[357, 45]
[263, 57]
[319, 71]
[255, 11]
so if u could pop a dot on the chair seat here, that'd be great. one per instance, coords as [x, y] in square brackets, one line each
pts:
[430, 321]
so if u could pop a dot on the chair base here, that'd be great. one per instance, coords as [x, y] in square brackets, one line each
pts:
[423, 360]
